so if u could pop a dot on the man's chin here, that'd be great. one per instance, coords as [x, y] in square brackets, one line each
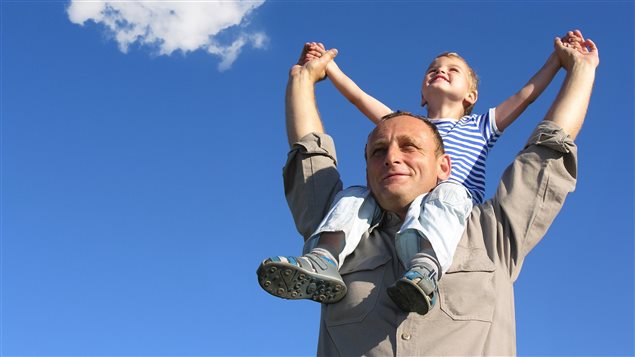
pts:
[393, 200]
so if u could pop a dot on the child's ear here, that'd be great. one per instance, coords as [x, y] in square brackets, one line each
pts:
[471, 97]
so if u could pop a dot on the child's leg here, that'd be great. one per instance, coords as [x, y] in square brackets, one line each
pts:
[427, 242]
[315, 275]
[352, 213]
[438, 218]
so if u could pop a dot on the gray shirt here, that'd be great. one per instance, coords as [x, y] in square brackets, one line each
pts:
[475, 311]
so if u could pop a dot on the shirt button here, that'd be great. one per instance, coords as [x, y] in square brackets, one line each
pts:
[405, 336]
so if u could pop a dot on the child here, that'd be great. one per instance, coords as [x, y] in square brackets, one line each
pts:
[435, 221]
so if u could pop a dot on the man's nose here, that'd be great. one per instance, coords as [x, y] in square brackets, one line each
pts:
[393, 155]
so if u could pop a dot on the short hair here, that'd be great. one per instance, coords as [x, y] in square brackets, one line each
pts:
[438, 150]
[473, 77]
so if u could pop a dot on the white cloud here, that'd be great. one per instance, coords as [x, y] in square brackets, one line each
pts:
[174, 25]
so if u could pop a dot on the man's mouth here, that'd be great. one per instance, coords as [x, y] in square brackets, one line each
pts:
[393, 175]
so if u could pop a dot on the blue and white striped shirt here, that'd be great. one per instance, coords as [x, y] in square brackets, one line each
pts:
[468, 141]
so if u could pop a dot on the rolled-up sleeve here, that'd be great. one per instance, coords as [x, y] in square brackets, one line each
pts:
[311, 180]
[532, 191]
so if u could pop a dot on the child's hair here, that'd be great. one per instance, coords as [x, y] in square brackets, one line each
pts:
[471, 74]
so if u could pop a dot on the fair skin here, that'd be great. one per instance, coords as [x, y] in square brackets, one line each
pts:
[440, 102]
[446, 86]
[402, 159]
[579, 57]
[301, 113]
[402, 162]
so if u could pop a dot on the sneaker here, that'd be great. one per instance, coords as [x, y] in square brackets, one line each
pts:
[416, 291]
[311, 276]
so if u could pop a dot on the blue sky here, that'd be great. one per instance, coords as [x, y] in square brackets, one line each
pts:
[140, 190]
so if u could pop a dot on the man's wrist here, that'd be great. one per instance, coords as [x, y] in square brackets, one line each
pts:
[583, 66]
[582, 71]
[302, 75]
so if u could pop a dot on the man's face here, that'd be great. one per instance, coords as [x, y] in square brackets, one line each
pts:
[402, 162]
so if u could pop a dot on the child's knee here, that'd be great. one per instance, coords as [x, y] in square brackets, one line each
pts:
[453, 194]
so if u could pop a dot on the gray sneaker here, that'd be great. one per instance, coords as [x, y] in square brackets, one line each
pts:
[416, 291]
[311, 276]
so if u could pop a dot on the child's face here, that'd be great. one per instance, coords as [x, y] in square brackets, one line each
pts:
[447, 78]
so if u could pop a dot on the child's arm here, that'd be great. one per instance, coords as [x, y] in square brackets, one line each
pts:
[371, 107]
[368, 105]
[512, 107]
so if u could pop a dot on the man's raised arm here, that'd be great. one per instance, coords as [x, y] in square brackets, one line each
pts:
[580, 58]
[534, 187]
[302, 116]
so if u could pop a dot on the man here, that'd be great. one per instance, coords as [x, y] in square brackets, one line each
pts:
[475, 313]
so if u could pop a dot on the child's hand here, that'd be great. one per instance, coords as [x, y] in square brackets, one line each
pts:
[573, 48]
[313, 62]
[311, 51]
[573, 39]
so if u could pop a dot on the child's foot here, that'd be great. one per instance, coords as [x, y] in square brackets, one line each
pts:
[416, 291]
[311, 276]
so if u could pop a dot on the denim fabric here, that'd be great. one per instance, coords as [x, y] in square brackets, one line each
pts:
[440, 217]
[353, 212]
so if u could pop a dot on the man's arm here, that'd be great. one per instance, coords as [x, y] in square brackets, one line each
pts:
[580, 58]
[514, 106]
[302, 116]
[533, 189]
[311, 180]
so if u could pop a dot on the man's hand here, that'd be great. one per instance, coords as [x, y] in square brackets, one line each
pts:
[313, 61]
[573, 49]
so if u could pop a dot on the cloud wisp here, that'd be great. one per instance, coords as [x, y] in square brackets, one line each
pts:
[175, 25]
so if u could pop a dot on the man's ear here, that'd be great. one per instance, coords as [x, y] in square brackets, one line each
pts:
[444, 167]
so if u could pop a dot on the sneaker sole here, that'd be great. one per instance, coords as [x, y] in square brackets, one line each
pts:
[409, 297]
[288, 281]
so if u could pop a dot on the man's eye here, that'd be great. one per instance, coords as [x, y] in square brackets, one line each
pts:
[378, 151]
